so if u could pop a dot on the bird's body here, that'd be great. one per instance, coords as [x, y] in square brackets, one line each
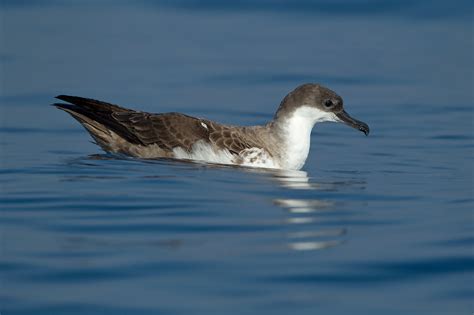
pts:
[282, 143]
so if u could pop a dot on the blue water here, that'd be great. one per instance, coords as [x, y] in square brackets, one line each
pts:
[372, 225]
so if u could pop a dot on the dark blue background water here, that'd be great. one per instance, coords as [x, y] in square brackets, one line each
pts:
[374, 225]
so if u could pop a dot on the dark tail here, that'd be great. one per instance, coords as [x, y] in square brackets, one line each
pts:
[90, 104]
[97, 117]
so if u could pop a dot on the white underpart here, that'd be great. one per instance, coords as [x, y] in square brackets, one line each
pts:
[297, 135]
[202, 151]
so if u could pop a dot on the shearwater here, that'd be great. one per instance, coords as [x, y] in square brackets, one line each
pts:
[283, 143]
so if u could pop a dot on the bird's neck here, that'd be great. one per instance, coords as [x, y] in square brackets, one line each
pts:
[294, 133]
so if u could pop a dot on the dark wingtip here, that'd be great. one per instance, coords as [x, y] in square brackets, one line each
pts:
[63, 97]
[63, 106]
[364, 128]
[366, 131]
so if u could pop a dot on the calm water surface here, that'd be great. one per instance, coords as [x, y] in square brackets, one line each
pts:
[372, 225]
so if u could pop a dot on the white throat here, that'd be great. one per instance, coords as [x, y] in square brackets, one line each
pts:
[296, 134]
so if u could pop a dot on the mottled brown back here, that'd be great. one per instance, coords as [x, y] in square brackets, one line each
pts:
[168, 130]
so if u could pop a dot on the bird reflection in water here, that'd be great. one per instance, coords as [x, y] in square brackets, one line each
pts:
[307, 216]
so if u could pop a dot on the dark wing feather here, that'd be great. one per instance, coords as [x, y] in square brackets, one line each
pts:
[173, 130]
[234, 139]
[168, 130]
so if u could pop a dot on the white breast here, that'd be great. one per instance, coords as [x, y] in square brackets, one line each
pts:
[296, 134]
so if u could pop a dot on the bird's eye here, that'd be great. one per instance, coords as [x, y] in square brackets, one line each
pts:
[328, 103]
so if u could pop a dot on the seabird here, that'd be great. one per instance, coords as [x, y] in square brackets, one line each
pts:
[283, 143]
